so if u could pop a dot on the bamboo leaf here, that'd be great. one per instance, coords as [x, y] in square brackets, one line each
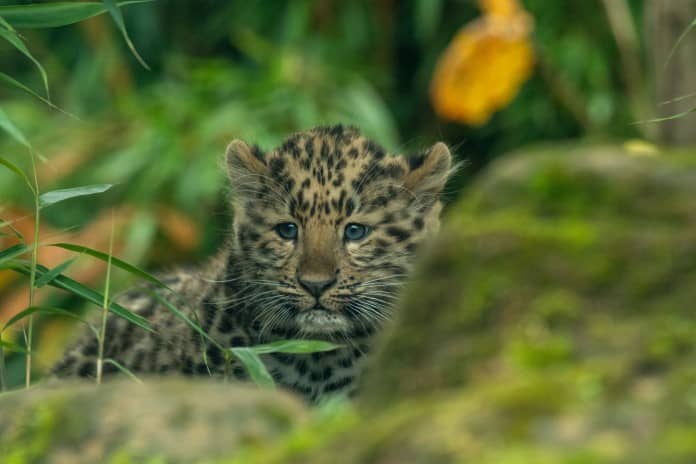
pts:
[76, 288]
[12, 252]
[114, 260]
[44, 310]
[8, 126]
[54, 14]
[17, 43]
[53, 273]
[123, 369]
[294, 347]
[14, 168]
[117, 16]
[15, 83]
[56, 196]
[254, 365]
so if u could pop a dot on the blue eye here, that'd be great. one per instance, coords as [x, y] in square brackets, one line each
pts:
[287, 230]
[355, 232]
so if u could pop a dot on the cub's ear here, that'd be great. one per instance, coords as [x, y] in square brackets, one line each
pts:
[430, 171]
[242, 160]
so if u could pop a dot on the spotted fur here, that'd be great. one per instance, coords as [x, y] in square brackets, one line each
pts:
[262, 287]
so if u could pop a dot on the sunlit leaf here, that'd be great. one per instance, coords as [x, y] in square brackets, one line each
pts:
[53, 273]
[56, 196]
[114, 261]
[12, 347]
[8, 126]
[17, 43]
[254, 365]
[55, 14]
[117, 16]
[294, 346]
[123, 369]
[14, 168]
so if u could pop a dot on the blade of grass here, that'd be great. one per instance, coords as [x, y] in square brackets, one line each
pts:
[76, 288]
[117, 16]
[14, 168]
[56, 196]
[115, 261]
[54, 14]
[294, 347]
[44, 310]
[668, 118]
[8, 126]
[12, 37]
[53, 273]
[3, 385]
[678, 42]
[123, 369]
[254, 365]
[178, 313]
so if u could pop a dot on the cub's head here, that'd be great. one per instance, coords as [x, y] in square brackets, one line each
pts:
[326, 227]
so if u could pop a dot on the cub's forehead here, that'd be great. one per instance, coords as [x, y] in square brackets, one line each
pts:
[329, 171]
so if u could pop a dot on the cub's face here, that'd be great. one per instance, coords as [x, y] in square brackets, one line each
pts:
[327, 225]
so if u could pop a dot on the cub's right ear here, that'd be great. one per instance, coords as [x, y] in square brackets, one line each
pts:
[243, 161]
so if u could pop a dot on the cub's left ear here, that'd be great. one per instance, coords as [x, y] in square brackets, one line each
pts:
[429, 173]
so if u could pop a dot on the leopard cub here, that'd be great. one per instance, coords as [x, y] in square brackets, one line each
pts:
[325, 231]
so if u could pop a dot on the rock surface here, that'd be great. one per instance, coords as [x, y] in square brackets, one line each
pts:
[553, 321]
[170, 421]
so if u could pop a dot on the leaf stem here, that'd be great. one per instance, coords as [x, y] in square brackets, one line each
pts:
[28, 334]
[105, 306]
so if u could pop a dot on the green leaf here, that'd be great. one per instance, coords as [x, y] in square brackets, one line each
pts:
[123, 369]
[254, 365]
[117, 16]
[44, 310]
[12, 346]
[76, 288]
[13, 251]
[54, 14]
[178, 313]
[17, 43]
[114, 260]
[8, 126]
[294, 346]
[53, 273]
[56, 196]
[14, 168]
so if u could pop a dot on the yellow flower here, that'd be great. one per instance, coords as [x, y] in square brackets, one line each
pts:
[485, 65]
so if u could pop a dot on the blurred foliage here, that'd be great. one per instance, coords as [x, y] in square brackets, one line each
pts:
[259, 70]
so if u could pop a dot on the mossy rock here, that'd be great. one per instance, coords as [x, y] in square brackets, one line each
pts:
[160, 421]
[553, 321]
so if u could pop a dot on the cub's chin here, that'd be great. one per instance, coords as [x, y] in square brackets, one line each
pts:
[318, 322]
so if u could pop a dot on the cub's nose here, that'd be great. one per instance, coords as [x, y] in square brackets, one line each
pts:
[316, 287]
